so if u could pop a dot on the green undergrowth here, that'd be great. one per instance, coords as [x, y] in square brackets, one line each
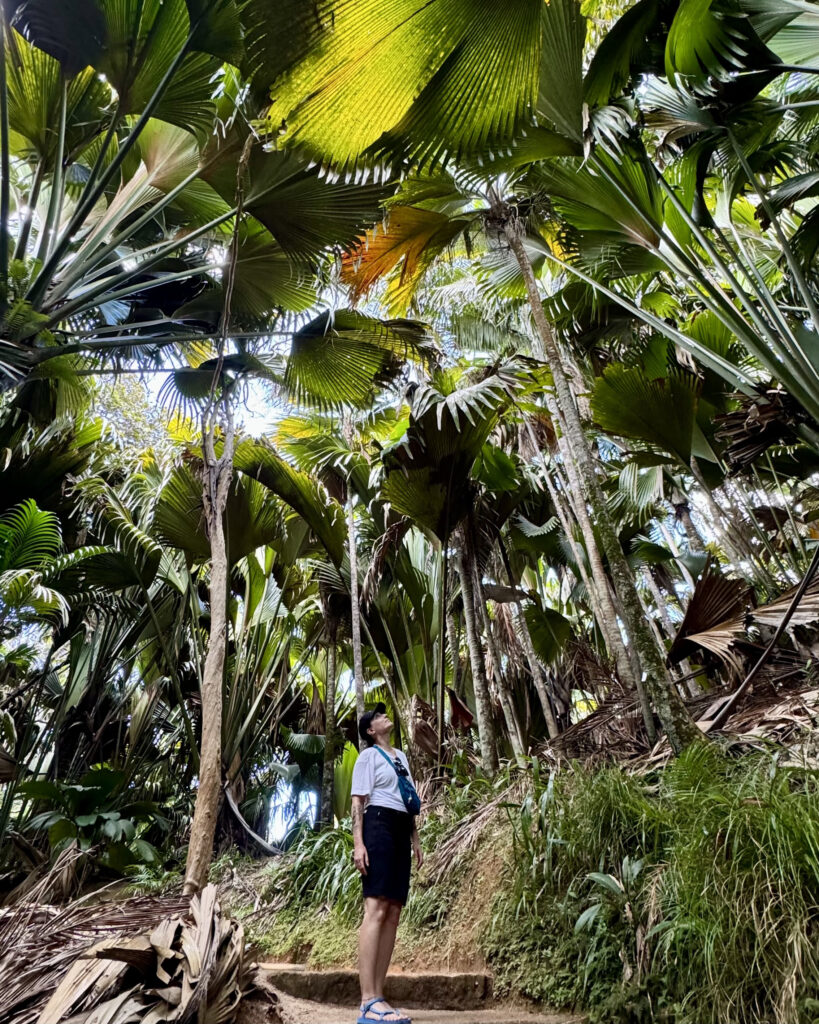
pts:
[690, 895]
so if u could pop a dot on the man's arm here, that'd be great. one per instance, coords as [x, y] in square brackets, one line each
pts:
[362, 861]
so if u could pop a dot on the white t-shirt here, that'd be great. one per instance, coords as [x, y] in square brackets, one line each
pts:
[375, 778]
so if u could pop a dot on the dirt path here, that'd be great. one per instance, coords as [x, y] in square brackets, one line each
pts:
[301, 1011]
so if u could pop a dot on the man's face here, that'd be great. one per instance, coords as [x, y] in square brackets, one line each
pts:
[379, 724]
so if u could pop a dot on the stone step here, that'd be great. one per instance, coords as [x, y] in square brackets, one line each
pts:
[300, 1011]
[439, 991]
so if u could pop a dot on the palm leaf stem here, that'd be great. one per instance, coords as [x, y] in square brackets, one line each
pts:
[106, 142]
[712, 251]
[395, 660]
[80, 268]
[763, 537]
[254, 707]
[778, 483]
[113, 328]
[442, 650]
[99, 296]
[793, 263]
[802, 363]
[276, 708]
[25, 740]
[5, 165]
[55, 202]
[133, 341]
[43, 279]
[715, 297]
[733, 374]
[775, 309]
[31, 203]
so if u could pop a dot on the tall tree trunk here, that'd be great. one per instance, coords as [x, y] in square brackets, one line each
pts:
[668, 536]
[682, 509]
[672, 712]
[483, 703]
[598, 587]
[454, 648]
[510, 714]
[626, 657]
[218, 474]
[217, 477]
[328, 770]
[537, 672]
[355, 608]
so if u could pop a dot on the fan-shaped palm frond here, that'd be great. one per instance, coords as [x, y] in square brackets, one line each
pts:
[434, 78]
[344, 358]
[662, 412]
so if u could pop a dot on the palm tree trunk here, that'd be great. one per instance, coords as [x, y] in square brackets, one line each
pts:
[358, 660]
[682, 509]
[672, 712]
[454, 650]
[328, 771]
[510, 714]
[483, 703]
[599, 592]
[218, 474]
[626, 657]
[537, 673]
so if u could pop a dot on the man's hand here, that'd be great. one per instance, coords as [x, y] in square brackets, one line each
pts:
[416, 849]
[360, 858]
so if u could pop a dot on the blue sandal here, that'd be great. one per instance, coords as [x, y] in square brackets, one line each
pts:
[380, 1014]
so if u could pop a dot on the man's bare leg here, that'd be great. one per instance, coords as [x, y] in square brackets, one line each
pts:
[370, 939]
[387, 943]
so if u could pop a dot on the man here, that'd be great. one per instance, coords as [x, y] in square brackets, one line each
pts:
[384, 835]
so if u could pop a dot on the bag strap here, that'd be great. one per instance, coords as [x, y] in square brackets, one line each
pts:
[387, 758]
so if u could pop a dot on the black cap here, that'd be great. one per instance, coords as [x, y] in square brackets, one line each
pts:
[366, 719]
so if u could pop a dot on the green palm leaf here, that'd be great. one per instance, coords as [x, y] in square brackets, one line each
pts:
[560, 96]
[707, 39]
[661, 412]
[298, 490]
[34, 93]
[144, 38]
[252, 519]
[29, 537]
[623, 49]
[73, 31]
[435, 76]
[345, 358]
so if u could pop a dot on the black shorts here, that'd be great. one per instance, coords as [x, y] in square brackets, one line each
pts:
[388, 839]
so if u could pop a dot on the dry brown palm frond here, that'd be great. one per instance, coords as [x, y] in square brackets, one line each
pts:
[449, 853]
[136, 960]
[760, 421]
[8, 767]
[714, 619]
[504, 595]
[389, 541]
[423, 732]
[806, 613]
[460, 715]
[614, 729]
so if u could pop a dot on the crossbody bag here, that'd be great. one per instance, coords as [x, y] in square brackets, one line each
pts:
[408, 792]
